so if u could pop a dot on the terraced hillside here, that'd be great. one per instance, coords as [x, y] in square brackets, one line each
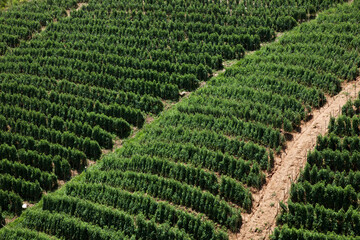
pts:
[190, 174]
[324, 202]
[75, 76]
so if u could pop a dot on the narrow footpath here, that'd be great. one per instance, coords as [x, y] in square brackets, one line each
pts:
[260, 223]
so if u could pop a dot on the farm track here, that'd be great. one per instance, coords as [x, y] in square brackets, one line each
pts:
[260, 223]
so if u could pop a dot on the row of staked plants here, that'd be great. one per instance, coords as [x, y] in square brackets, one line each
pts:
[75, 76]
[324, 202]
[190, 173]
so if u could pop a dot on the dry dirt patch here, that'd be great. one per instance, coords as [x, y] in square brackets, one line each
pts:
[261, 221]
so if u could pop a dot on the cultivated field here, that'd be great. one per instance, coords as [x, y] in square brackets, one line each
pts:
[91, 91]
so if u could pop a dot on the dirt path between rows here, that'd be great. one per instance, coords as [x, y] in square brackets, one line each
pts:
[261, 221]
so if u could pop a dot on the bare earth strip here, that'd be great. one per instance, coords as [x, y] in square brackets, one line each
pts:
[261, 221]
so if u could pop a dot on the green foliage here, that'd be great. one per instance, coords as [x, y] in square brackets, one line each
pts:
[66, 92]
[63, 226]
[10, 201]
[226, 187]
[291, 233]
[27, 190]
[199, 157]
[232, 126]
[324, 201]
[75, 157]
[326, 195]
[246, 150]
[321, 219]
[15, 234]
[172, 191]
[137, 203]
[46, 180]
[330, 196]
[285, 23]
[315, 174]
[107, 217]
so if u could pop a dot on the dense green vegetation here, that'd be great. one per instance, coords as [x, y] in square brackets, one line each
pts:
[76, 75]
[68, 92]
[324, 202]
[186, 175]
[9, 3]
[15, 234]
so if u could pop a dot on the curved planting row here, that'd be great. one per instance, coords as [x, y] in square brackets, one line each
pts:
[324, 202]
[188, 174]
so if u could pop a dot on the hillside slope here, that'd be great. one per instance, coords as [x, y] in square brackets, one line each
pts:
[76, 78]
[191, 173]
